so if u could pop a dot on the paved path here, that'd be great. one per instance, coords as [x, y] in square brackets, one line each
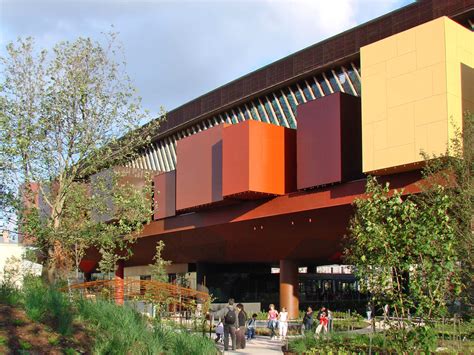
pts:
[260, 345]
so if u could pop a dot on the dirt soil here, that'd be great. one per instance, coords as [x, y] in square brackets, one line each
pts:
[20, 335]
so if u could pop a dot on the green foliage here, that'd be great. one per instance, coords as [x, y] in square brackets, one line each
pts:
[76, 109]
[158, 268]
[309, 344]
[119, 330]
[47, 304]
[455, 169]
[24, 345]
[404, 249]
[419, 338]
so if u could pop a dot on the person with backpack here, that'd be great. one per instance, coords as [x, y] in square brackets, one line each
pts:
[231, 323]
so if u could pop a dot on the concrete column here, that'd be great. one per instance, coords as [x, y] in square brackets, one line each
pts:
[119, 284]
[289, 287]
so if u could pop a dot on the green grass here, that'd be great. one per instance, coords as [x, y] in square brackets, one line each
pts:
[53, 340]
[24, 345]
[113, 329]
[3, 340]
[18, 322]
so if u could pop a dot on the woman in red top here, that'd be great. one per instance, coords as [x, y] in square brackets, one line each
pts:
[272, 320]
[323, 323]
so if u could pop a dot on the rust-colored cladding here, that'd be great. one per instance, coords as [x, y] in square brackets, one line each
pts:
[329, 143]
[258, 160]
[165, 195]
[199, 169]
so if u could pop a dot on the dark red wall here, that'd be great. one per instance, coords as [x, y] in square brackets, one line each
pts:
[329, 143]
[199, 169]
[165, 195]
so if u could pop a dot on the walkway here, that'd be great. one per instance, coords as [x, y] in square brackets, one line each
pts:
[260, 345]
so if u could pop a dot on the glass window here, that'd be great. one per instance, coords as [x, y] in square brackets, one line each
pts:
[306, 92]
[297, 93]
[269, 112]
[355, 80]
[332, 80]
[277, 110]
[345, 82]
[324, 85]
[261, 111]
[316, 91]
[290, 99]
[286, 111]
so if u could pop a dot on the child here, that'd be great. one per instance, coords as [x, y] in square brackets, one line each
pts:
[219, 331]
[251, 325]
[323, 323]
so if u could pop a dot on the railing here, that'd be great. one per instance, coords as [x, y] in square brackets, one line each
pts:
[177, 298]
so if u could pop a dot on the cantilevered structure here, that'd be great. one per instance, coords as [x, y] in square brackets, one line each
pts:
[261, 172]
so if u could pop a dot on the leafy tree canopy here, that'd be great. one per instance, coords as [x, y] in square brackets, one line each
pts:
[65, 115]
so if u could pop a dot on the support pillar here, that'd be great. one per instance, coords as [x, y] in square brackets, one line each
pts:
[119, 283]
[289, 287]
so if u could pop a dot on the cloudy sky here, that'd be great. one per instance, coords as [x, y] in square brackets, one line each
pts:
[178, 50]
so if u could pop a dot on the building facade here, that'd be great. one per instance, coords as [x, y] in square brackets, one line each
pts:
[261, 173]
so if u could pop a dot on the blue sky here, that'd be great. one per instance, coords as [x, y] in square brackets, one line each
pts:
[179, 50]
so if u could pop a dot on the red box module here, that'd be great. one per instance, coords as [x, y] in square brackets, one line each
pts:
[329, 140]
[199, 169]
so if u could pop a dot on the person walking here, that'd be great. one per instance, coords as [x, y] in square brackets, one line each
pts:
[329, 320]
[283, 323]
[323, 324]
[272, 320]
[308, 319]
[242, 320]
[231, 323]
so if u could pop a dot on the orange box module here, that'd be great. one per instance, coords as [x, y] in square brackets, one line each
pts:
[258, 160]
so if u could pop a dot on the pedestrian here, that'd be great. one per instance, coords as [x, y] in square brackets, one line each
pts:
[308, 319]
[323, 323]
[219, 331]
[329, 315]
[251, 326]
[272, 320]
[231, 323]
[283, 323]
[369, 311]
[386, 312]
[240, 334]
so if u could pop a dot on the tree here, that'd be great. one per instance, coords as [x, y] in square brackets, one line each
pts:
[415, 252]
[65, 116]
[455, 168]
[158, 268]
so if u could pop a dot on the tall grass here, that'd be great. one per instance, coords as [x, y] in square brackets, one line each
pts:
[47, 304]
[118, 330]
[115, 329]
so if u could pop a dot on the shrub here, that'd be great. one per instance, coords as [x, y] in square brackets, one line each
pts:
[44, 303]
[120, 329]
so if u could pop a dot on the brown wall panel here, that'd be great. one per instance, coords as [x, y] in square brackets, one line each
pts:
[199, 169]
[165, 195]
[258, 160]
[328, 140]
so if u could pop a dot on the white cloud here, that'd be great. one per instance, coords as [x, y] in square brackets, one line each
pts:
[178, 50]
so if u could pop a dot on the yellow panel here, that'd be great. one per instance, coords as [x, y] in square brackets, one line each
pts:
[401, 125]
[412, 96]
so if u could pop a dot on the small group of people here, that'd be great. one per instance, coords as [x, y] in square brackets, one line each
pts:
[234, 324]
[277, 320]
[324, 319]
